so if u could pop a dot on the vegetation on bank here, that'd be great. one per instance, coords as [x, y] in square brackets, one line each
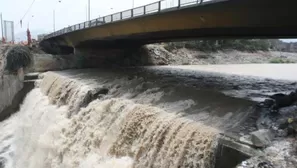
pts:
[249, 45]
[17, 57]
[280, 61]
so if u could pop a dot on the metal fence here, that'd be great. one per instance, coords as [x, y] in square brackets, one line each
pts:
[8, 31]
[139, 11]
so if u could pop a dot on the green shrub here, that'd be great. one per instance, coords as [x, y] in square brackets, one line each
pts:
[17, 57]
[280, 61]
[219, 44]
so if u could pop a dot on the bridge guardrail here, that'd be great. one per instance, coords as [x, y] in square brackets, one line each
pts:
[127, 14]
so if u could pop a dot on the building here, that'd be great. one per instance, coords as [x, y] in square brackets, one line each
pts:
[40, 37]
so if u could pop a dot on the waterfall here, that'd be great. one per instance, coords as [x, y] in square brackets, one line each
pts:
[67, 121]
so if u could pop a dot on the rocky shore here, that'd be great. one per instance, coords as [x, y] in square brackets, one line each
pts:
[183, 56]
[276, 134]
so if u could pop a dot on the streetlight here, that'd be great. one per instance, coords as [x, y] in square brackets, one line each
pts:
[54, 18]
[89, 11]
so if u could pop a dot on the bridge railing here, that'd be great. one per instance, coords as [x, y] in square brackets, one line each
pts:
[127, 14]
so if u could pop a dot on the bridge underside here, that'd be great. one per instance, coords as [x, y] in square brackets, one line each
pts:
[222, 19]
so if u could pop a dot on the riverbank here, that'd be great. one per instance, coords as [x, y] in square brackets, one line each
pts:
[154, 54]
[10, 85]
[184, 56]
[14, 61]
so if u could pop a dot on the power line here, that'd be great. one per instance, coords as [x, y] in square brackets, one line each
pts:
[28, 10]
[21, 21]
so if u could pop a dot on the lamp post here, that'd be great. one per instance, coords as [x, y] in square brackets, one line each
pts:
[86, 13]
[89, 11]
[54, 18]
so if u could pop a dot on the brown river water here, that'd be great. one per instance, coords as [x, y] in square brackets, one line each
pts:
[163, 117]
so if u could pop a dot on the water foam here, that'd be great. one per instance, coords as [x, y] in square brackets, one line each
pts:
[57, 128]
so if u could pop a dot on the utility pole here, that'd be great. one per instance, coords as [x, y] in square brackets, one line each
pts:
[1, 26]
[132, 4]
[54, 16]
[86, 13]
[54, 20]
[89, 14]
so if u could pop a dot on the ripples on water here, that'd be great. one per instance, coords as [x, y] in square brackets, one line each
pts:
[145, 120]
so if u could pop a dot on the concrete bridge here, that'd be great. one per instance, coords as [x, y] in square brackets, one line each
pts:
[155, 23]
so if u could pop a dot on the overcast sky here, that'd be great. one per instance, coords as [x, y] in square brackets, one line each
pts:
[68, 12]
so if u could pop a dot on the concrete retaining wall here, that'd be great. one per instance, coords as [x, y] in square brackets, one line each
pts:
[10, 86]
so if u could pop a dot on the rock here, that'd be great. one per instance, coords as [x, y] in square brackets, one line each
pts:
[282, 123]
[92, 95]
[244, 163]
[292, 128]
[103, 91]
[268, 103]
[262, 138]
[256, 162]
[293, 95]
[290, 111]
[265, 120]
[246, 139]
[277, 96]
[265, 164]
[282, 100]
[2, 162]
[281, 133]
[235, 87]
[287, 124]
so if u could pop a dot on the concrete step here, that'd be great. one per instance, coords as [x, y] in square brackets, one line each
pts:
[230, 152]
[31, 76]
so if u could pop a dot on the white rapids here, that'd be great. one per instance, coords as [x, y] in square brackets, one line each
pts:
[70, 122]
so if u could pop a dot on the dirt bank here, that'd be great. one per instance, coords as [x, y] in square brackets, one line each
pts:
[185, 56]
[153, 54]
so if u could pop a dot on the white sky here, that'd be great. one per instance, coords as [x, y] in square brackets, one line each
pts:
[68, 12]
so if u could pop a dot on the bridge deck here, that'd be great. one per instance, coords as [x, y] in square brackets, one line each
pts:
[219, 19]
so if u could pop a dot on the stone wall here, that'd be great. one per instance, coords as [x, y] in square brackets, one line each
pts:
[10, 84]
